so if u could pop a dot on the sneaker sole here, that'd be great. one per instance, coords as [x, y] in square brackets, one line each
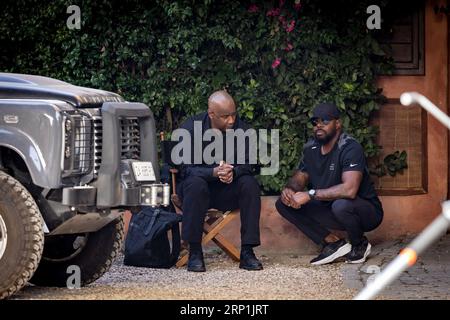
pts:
[363, 259]
[342, 251]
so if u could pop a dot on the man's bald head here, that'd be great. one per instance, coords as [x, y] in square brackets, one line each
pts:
[219, 100]
[221, 110]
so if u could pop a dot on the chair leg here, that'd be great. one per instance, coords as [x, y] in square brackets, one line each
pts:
[183, 259]
[212, 227]
[227, 246]
[220, 240]
[216, 227]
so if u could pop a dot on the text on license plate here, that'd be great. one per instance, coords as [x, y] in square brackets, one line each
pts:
[143, 171]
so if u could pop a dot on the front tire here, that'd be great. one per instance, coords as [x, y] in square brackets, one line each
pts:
[92, 252]
[21, 236]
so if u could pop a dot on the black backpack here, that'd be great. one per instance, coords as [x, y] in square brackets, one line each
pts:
[147, 243]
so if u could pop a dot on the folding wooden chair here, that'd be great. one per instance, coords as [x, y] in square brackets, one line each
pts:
[215, 219]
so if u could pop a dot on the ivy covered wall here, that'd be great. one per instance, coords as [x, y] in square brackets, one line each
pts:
[277, 58]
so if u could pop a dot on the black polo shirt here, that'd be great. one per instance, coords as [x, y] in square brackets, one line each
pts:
[204, 170]
[325, 171]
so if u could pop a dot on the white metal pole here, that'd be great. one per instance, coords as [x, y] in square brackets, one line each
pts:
[433, 232]
[408, 256]
[409, 98]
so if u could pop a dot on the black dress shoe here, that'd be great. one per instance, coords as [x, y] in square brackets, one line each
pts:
[249, 261]
[195, 262]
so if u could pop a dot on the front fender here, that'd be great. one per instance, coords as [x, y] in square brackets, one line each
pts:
[36, 137]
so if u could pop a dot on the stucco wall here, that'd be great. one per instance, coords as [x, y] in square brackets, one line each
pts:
[409, 214]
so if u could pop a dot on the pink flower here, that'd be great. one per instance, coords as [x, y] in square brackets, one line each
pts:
[297, 6]
[291, 26]
[276, 63]
[282, 19]
[289, 47]
[275, 12]
[253, 8]
[281, 2]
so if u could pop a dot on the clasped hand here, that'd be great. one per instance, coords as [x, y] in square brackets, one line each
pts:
[294, 199]
[225, 172]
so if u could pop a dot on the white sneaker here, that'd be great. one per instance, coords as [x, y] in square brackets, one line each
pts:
[359, 253]
[331, 252]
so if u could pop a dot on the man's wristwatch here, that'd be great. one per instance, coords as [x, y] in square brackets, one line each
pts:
[312, 194]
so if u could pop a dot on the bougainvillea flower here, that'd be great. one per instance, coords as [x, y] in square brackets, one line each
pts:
[276, 63]
[289, 47]
[253, 8]
[275, 12]
[291, 26]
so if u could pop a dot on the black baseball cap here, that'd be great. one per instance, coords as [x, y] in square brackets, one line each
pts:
[326, 111]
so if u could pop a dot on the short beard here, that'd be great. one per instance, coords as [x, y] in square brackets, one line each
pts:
[327, 138]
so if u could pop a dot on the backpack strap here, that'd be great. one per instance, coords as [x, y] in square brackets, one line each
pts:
[150, 225]
[176, 243]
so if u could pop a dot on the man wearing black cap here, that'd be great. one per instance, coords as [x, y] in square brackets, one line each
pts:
[341, 195]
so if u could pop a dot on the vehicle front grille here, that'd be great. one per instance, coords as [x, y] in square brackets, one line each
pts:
[130, 143]
[130, 138]
[98, 136]
[82, 144]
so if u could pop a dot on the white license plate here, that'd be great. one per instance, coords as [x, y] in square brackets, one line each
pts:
[143, 171]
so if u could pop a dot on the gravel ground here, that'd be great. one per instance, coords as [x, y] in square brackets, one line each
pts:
[286, 277]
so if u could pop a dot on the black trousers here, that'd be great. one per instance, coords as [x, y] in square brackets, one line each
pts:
[355, 216]
[198, 195]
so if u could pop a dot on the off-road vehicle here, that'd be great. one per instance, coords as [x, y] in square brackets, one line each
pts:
[72, 159]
